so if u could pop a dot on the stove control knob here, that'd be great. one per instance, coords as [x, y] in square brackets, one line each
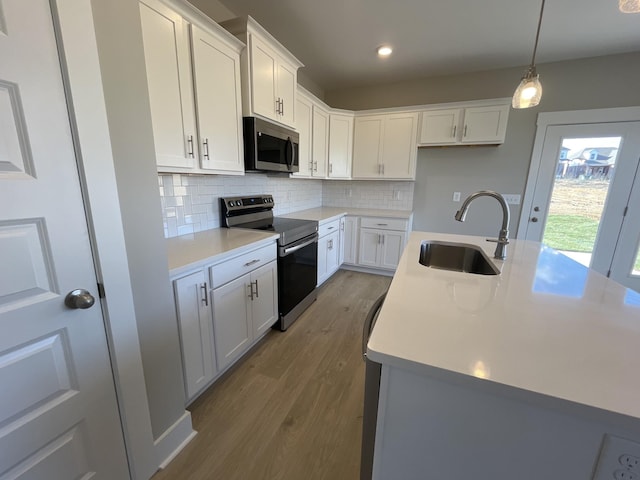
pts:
[230, 203]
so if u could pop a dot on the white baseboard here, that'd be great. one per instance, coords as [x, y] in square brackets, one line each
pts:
[172, 441]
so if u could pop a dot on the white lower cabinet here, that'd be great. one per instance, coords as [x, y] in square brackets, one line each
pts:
[242, 310]
[328, 249]
[221, 315]
[196, 331]
[374, 242]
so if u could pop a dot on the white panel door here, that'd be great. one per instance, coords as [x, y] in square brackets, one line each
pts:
[58, 411]
[231, 316]
[399, 150]
[196, 331]
[340, 145]
[286, 92]
[350, 240]
[263, 75]
[264, 304]
[217, 88]
[367, 145]
[320, 142]
[166, 53]
[333, 253]
[439, 127]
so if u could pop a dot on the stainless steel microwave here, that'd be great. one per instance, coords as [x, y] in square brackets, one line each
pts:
[269, 147]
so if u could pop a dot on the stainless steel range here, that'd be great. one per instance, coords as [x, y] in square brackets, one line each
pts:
[297, 250]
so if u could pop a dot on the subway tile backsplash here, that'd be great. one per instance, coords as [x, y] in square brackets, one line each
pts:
[190, 202]
[383, 195]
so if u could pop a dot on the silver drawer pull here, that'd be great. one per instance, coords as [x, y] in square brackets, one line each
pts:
[205, 294]
[248, 264]
[382, 224]
[330, 228]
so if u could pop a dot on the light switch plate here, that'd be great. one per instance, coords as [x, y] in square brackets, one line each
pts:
[619, 459]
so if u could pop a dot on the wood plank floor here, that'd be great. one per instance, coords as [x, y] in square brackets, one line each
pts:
[292, 408]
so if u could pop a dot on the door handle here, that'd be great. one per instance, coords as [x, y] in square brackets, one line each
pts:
[205, 294]
[79, 299]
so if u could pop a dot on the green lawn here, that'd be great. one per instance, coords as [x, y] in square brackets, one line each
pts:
[573, 233]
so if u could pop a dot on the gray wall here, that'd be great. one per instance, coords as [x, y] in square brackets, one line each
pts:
[123, 74]
[610, 81]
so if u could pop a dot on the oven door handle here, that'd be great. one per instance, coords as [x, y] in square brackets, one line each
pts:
[370, 322]
[286, 154]
[286, 251]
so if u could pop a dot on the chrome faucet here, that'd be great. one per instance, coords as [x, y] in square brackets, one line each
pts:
[503, 236]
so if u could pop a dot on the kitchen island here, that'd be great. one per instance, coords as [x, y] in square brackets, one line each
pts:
[517, 375]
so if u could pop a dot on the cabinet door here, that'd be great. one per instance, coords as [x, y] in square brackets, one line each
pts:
[370, 241]
[485, 124]
[264, 305]
[231, 317]
[341, 241]
[392, 246]
[323, 253]
[440, 127]
[304, 119]
[333, 253]
[399, 147]
[219, 109]
[367, 143]
[320, 141]
[196, 336]
[350, 240]
[263, 79]
[165, 37]
[340, 145]
[286, 92]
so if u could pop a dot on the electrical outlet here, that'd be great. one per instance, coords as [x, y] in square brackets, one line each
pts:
[630, 462]
[619, 459]
[456, 196]
[396, 194]
[511, 198]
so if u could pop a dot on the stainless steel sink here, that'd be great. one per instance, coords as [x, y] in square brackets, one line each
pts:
[459, 257]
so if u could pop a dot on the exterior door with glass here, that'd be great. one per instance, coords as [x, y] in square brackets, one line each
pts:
[578, 201]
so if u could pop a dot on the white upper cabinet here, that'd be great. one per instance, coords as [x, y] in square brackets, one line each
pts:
[340, 145]
[385, 146]
[269, 73]
[176, 59]
[166, 49]
[216, 69]
[472, 125]
[320, 142]
[304, 125]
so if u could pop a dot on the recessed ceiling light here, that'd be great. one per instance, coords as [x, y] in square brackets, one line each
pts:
[629, 6]
[384, 51]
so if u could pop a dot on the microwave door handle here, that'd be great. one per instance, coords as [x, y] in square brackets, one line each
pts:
[288, 159]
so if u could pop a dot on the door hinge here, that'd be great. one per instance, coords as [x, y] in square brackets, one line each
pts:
[101, 292]
[626, 209]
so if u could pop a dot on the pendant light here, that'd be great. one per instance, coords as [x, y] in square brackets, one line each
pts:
[629, 6]
[529, 91]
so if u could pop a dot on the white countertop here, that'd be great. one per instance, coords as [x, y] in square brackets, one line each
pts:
[326, 214]
[189, 252]
[546, 324]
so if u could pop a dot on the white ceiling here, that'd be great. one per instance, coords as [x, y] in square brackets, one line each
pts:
[337, 39]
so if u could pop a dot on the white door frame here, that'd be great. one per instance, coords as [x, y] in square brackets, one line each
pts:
[546, 119]
[83, 84]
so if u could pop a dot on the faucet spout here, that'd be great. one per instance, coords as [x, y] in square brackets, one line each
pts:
[503, 235]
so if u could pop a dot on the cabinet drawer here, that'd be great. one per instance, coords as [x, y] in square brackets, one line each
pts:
[224, 272]
[384, 223]
[328, 228]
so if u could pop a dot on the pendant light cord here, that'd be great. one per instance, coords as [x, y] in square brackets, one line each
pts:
[535, 47]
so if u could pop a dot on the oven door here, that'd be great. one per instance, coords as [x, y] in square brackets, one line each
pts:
[297, 276]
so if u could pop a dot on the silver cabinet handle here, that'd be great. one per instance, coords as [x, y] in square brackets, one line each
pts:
[382, 224]
[278, 105]
[257, 295]
[205, 148]
[383, 168]
[248, 264]
[205, 294]
[455, 127]
[250, 291]
[465, 131]
[79, 299]
[315, 166]
[330, 228]
[190, 146]
[281, 107]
